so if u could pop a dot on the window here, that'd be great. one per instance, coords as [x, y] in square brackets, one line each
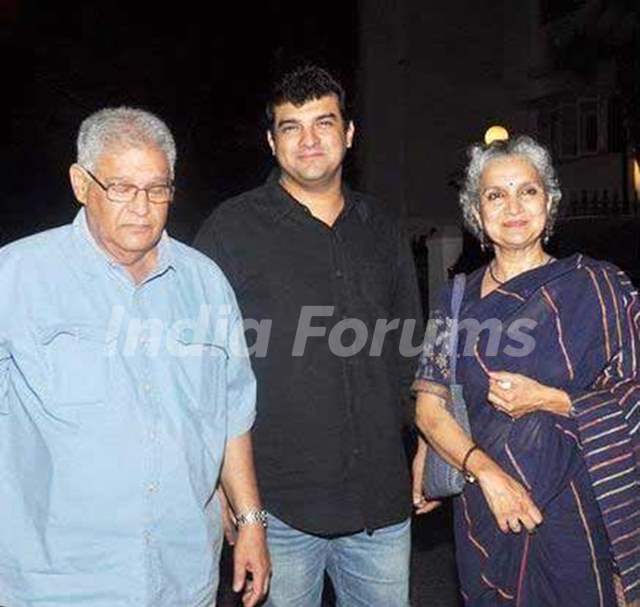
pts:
[569, 131]
[615, 125]
[581, 127]
[589, 139]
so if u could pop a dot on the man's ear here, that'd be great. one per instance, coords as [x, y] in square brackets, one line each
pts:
[271, 142]
[79, 183]
[351, 129]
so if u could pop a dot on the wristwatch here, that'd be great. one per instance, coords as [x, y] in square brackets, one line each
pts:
[252, 517]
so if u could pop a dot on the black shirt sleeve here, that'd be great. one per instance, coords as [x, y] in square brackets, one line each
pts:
[406, 306]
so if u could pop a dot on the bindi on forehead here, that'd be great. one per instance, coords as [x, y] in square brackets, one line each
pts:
[510, 171]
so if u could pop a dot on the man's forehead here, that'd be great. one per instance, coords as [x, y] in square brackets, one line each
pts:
[327, 104]
[134, 157]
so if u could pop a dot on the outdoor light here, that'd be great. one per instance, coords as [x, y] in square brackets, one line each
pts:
[496, 133]
[636, 177]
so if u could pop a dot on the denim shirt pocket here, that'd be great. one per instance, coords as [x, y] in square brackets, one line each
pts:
[200, 363]
[77, 357]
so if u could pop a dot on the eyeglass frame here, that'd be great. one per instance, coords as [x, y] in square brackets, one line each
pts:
[105, 189]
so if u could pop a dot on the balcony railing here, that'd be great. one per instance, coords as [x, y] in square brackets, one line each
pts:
[597, 204]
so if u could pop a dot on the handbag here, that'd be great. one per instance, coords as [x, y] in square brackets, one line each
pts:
[441, 479]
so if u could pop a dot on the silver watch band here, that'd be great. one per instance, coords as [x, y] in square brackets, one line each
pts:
[252, 517]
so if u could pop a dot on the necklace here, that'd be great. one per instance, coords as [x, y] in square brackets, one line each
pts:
[501, 282]
[493, 276]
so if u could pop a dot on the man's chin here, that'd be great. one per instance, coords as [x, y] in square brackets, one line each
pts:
[139, 244]
[316, 177]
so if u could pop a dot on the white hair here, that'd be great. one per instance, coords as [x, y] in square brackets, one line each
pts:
[122, 127]
[523, 147]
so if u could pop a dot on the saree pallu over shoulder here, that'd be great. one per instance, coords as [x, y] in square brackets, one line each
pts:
[608, 417]
[573, 325]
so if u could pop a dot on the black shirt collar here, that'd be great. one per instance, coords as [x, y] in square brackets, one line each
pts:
[282, 203]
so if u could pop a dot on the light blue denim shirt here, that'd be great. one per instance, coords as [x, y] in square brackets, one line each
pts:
[116, 402]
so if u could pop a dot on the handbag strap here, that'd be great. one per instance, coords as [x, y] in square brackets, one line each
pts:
[457, 294]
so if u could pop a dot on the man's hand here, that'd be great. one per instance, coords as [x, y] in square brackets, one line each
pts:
[228, 517]
[421, 503]
[251, 564]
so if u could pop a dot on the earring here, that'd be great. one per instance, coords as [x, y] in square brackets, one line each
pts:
[547, 234]
[483, 242]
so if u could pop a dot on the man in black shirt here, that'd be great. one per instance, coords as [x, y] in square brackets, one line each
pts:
[330, 278]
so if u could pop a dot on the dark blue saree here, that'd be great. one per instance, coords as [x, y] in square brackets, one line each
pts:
[572, 325]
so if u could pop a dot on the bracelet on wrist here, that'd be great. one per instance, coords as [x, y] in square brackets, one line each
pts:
[251, 517]
[467, 475]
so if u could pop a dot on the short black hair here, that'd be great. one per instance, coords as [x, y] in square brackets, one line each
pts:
[305, 84]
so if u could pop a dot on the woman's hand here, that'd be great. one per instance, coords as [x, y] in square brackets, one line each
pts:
[509, 502]
[421, 503]
[518, 395]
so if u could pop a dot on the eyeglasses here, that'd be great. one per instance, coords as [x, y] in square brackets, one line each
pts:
[127, 192]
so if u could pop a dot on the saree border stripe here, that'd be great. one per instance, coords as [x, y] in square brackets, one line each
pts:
[607, 448]
[618, 490]
[493, 586]
[612, 477]
[563, 347]
[523, 568]
[599, 420]
[570, 434]
[516, 466]
[473, 540]
[626, 519]
[620, 506]
[510, 294]
[629, 553]
[610, 461]
[587, 531]
[615, 307]
[603, 309]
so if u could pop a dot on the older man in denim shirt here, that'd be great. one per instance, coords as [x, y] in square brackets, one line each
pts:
[125, 395]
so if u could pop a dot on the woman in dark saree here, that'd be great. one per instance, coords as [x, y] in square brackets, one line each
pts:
[549, 359]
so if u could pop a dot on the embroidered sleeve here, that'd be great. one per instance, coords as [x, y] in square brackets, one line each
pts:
[433, 374]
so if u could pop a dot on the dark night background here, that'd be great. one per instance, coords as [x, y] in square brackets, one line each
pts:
[205, 69]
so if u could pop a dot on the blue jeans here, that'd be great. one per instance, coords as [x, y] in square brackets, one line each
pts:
[366, 570]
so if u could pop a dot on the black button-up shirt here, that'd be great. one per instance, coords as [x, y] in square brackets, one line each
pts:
[328, 433]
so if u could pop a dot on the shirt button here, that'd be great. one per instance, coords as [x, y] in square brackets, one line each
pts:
[339, 274]
[152, 487]
[146, 387]
[147, 537]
